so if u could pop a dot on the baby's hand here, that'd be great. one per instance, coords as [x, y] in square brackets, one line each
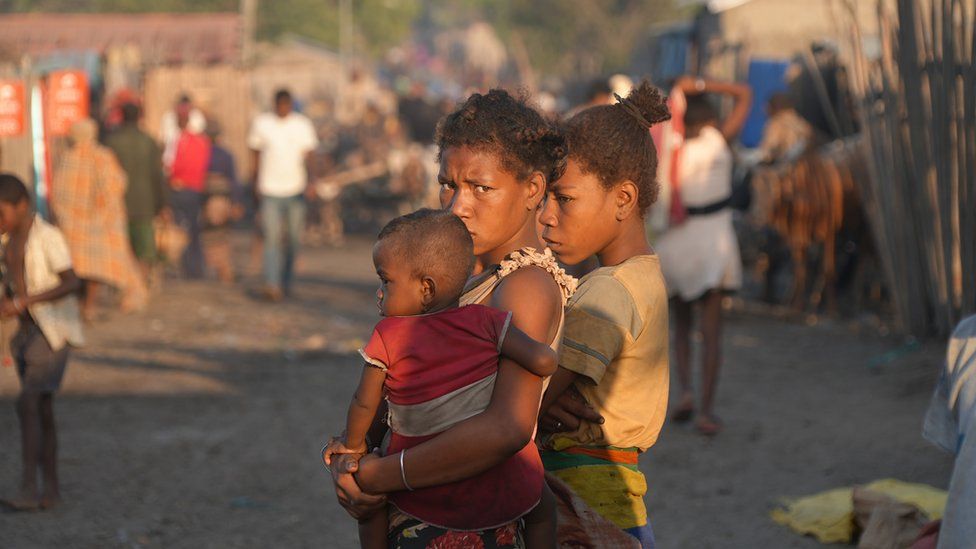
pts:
[337, 445]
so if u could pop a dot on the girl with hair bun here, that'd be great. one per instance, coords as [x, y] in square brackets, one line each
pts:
[614, 353]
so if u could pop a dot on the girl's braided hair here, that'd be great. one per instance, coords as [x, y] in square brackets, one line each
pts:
[613, 141]
[507, 126]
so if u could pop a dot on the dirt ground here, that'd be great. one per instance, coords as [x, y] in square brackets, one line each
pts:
[199, 423]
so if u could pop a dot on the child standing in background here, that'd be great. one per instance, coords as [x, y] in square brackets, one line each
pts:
[39, 288]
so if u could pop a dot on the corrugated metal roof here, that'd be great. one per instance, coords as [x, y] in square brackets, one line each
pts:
[161, 37]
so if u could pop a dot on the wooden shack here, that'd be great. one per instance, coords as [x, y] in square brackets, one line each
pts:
[158, 56]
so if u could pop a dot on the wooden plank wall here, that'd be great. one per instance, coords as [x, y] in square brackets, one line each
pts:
[222, 92]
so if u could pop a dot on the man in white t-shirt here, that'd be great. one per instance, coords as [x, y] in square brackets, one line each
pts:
[282, 142]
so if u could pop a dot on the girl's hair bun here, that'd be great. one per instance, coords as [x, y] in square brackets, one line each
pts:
[650, 102]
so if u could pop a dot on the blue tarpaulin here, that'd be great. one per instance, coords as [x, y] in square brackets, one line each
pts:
[766, 76]
[664, 55]
[86, 60]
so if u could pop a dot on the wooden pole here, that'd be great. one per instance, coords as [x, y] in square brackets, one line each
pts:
[249, 15]
[918, 110]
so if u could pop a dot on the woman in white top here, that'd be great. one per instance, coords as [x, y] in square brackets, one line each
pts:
[700, 257]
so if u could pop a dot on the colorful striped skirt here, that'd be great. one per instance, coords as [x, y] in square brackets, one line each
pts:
[607, 479]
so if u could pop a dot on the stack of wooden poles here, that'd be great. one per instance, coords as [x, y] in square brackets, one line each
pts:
[917, 101]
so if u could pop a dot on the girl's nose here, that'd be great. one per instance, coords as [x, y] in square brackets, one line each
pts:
[548, 215]
[459, 205]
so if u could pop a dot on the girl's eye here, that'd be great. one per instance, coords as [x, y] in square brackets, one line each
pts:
[563, 199]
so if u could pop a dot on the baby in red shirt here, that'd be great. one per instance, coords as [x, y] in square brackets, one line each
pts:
[435, 363]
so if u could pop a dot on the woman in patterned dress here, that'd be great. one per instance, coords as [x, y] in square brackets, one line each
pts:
[88, 202]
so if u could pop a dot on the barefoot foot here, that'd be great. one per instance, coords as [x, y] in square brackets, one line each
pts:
[25, 501]
[50, 501]
[708, 425]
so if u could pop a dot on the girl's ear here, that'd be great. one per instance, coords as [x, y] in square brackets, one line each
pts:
[536, 191]
[626, 199]
[428, 290]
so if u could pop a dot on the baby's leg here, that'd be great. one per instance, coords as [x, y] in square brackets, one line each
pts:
[540, 523]
[373, 530]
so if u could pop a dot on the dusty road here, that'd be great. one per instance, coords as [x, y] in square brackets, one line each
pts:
[198, 423]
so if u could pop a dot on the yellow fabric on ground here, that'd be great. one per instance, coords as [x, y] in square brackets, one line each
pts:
[829, 516]
[613, 491]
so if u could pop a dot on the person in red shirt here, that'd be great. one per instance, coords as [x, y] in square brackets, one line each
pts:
[187, 175]
[434, 362]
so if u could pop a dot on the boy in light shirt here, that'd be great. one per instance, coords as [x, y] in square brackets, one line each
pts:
[40, 289]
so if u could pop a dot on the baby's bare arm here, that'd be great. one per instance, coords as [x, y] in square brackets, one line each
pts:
[535, 357]
[362, 409]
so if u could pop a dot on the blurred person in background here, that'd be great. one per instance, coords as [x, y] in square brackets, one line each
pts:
[325, 225]
[700, 256]
[187, 179]
[223, 204]
[145, 195]
[418, 115]
[170, 128]
[786, 135]
[88, 202]
[114, 116]
[621, 84]
[598, 93]
[282, 143]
